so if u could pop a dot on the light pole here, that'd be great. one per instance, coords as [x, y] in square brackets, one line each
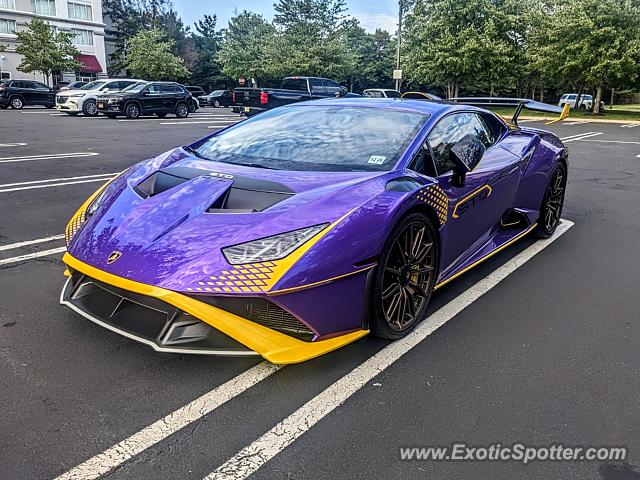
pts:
[400, 2]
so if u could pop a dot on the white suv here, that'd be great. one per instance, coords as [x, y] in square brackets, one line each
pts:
[586, 101]
[84, 99]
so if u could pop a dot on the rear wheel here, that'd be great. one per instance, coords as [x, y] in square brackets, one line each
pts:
[182, 110]
[552, 203]
[132, 111]
[405, 277]
[16, 103]
[89, 108]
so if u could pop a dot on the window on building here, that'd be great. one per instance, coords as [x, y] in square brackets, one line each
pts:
[44, 7]
[82, 37]
[10, 4]
[7, 26]
[80, 11]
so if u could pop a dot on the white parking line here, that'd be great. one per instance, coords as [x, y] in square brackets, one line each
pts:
[577, 122]
[12, 144]
[54, 156]
[29, 256]
[30, 242]
[56, 180]
[213, 120]
[627, 142]
[61, 184]
[581, 137]
[251, 458]
[158, 431]
[630, 125]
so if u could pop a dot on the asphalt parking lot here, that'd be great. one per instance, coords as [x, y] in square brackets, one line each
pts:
[548, 355]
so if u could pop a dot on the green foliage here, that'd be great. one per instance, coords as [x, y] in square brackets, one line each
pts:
[150, 56]
[207, 71]
[45, 50]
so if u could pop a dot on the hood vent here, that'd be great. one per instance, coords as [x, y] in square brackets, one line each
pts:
[245, 195]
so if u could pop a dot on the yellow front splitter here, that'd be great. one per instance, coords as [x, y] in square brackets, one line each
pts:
[273, 346]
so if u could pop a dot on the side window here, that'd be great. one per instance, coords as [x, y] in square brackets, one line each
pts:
[572, 97]
[493, 126]
[40, 86]
[423, 162]
[316, 85]
[112, 86]
[295, 84]
[153, 89]
[449, 131]
[25, 84]
[125, 84]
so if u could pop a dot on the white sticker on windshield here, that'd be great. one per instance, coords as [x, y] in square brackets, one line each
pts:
[377, 159]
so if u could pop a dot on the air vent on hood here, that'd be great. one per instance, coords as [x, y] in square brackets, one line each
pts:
[245, 195]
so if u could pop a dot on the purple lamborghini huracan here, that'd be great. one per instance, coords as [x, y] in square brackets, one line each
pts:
[306, 227]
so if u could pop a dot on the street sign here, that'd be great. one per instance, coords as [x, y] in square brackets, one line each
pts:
[397, 74]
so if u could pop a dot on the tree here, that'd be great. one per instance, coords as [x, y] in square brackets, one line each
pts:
[245, 47]
[150, 56]
[207, 41]
[592, 43]
[45, 50]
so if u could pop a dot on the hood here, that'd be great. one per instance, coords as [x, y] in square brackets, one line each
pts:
[171, 216]
[75, 91]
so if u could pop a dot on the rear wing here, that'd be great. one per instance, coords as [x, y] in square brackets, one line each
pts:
[518, 103]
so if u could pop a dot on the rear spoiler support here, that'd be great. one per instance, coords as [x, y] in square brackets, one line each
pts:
[519, 103]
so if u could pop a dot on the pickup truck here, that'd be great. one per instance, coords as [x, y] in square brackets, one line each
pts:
[249, 101]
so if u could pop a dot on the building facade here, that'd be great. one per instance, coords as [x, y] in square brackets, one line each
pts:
[82, 18]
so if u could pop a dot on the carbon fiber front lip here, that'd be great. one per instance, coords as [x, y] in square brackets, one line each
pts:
[152, 344]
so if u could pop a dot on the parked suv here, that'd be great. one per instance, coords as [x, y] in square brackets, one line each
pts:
[217, 98]
[148, 98]
[586, 101]
[18, 93]
[84, 99]
[381, 93]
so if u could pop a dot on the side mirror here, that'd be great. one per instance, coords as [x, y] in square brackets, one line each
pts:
[465, 155]
[146, 92]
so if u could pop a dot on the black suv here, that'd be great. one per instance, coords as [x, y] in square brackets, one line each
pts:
[217, 98]
[18, 93]
[147, 98]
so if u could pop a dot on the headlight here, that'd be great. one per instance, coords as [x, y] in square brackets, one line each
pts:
[77, 95]
[270, 248]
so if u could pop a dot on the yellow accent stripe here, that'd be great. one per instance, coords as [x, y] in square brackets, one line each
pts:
[321, 282]
[471, 195]
[564, 114]
[489, 255]
[274, 346]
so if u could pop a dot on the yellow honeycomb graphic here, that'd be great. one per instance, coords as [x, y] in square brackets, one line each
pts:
[74, 225]
[435, 197]
[251, 277]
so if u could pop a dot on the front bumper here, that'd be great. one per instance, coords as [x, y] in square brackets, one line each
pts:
[172, 322]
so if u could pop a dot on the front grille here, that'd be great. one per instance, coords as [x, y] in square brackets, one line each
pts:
[62, 99]
[263, 312]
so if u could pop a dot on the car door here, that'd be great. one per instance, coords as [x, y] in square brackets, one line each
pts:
[28, 90]
[43, 95]
[476, 207]
[317, 88]
[331, 87]
[151, 99]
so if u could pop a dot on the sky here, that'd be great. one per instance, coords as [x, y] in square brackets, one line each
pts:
[371, 13]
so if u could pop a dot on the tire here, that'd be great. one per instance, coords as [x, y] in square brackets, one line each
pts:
[552, 203]
[216, 103]
[161, 115]
[182, 110]
[72, 114]
[16, 103]
[404, 278]
[111, 115]
[90, 108]
[132, 111]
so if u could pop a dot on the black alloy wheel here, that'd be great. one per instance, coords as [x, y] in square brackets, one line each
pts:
[406, 274]
[216, 103]
[182, 111]
[552, 203]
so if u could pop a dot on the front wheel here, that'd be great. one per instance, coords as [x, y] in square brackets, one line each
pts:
[16, 103]
[216, 103]
[405, 277]
[132, 111]
[552, 203]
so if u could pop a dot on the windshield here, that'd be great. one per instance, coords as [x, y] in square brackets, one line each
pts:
[136, 87]
[93, 85]
[323, 138]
